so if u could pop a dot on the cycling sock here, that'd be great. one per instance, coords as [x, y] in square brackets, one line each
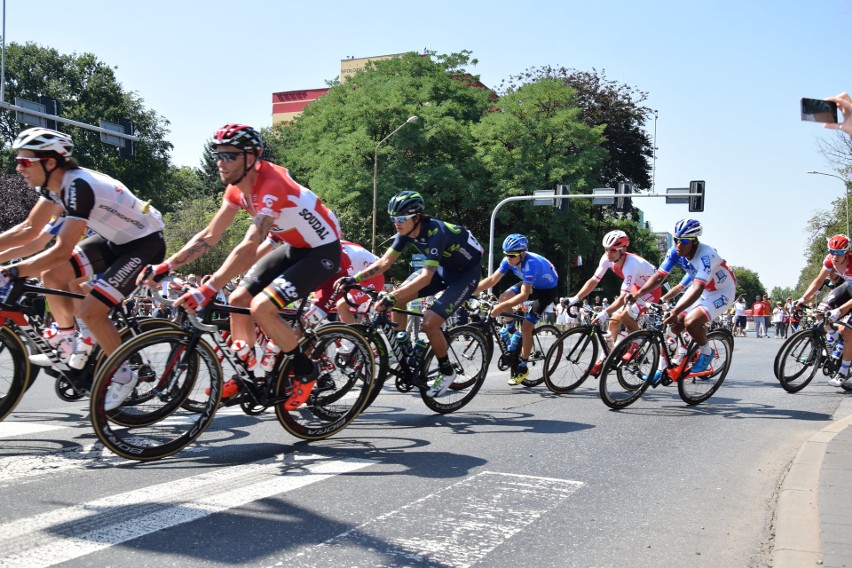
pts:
[84, 329]
[523, 363]
[844, 368]
[444, 365]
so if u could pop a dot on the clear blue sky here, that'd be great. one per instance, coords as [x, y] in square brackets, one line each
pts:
[725, 76]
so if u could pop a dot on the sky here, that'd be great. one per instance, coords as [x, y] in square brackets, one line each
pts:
[725, 79]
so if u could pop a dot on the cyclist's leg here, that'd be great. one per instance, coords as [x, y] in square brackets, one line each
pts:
[541, 299]
[710, 305]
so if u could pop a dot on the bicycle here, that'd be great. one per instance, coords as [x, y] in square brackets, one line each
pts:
[23, 325]
[544, 337]
[629, 371]
[185, 364]
[467, 349]
[803, 354]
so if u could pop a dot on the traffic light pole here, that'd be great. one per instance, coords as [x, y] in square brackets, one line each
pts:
[612, 196]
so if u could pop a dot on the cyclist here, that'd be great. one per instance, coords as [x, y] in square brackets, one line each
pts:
[452, 264]
[712, 287]
[634, 272]
[838, 262]
[309, 254]
[129, 234]
[538, 285]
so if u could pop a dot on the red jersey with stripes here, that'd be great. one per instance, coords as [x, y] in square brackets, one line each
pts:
[845, 273]
[301, 218]
[635, 270]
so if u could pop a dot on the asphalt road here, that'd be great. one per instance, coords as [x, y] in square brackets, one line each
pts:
[520, 477]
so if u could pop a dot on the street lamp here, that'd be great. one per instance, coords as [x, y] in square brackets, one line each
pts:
[411, 119]
[846, 191]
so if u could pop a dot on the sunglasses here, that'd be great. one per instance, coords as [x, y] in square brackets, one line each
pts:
[401, 218]
[27, 162]
[613, 250]
[838, 252]
[511, 254]
[227, 157]
[683, 240]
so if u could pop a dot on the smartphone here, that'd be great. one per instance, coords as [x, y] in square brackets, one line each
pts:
[819, 110]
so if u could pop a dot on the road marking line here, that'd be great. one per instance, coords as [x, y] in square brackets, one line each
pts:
[457, 526]
[11, 429]
[65, 534]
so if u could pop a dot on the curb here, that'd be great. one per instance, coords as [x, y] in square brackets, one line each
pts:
[798, 539]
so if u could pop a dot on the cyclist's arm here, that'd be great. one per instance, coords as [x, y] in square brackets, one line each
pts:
[380, 266]
[27, 249]
[489, 282]
[207, 238]
[689, 297]
[66, 240]
[516, 300]
[26, 231]
[815, 285]
[652, 284]
[243, 255]
[420, 281]
[587, 288]
[676, 289]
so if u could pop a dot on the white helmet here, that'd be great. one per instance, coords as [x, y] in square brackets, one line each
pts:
[616, 239]
[44, 140]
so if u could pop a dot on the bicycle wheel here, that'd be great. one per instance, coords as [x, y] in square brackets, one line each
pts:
[15, 374]
[342, 390]
[544, 336]
[696, 389]
[570, 360]
[623, 382]
[800, 361]
[382, 359]
[776, 364]
[158, 426]
[468, 352]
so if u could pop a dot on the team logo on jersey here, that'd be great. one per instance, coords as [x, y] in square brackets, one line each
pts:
[269, 200]
[72, 196]
[286, 288]
[721, 302]
[705, 261]
[721, 276]
[327, 264]
[433, 251]
[315, 223]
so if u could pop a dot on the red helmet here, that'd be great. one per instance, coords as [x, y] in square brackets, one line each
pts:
[239, 135]
[839, 242]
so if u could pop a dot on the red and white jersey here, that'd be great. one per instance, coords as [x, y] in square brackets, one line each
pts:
[301, 219]
[634, 272]
[846, 274]
[353, 259]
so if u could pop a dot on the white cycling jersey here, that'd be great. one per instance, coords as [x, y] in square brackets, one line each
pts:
[107, 206]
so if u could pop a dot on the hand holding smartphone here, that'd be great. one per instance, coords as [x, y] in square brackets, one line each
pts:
[819, 110]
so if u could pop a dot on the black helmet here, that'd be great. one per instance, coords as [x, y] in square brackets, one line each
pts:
[406, 203]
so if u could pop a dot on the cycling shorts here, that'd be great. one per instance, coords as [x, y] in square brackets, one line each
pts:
[540, 300]
[117, 266]
[456, 288]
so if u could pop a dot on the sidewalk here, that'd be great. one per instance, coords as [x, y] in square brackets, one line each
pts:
[813, 518]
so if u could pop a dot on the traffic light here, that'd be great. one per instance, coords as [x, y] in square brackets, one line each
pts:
[623, 204]
[696, 202]
[127, 150]
[50, 107]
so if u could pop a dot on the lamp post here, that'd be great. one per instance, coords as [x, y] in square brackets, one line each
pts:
[411, 119]
[845, 190]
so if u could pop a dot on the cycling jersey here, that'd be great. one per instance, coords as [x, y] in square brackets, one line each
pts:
[447, 247]
[55, 225]
[301, 219]
[828, 264]
[634, 271]
[107, 206]
[534, 269]
[706, 267]
[353, 259]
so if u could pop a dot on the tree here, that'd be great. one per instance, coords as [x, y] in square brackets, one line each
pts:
[208, 171]
[748, 283]
[17, 198]
[87, 91]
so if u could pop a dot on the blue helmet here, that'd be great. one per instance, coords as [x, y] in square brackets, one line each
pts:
[515, 242]
[687, 228]
[406, 203]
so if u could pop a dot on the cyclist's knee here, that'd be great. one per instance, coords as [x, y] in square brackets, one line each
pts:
[240, 297]
[432, 322]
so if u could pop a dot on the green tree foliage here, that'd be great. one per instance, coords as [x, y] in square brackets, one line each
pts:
[748, 283]
[191, 216]
[88, 91]
[17, 198]
[208, 171]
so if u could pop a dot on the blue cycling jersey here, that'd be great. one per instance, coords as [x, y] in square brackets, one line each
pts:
[534, 269]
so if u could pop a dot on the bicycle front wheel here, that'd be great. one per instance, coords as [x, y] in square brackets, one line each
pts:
[467, 349]
[570, 360]
[347, 377]
[15, 374]
[544, 337]
[800, 360]
[696, 389]
[777, 364]
[625, 377]
[171, 368]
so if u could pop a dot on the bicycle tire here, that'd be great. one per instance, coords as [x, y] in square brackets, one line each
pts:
[570, 360]
[544, 337]
[800, 361]
[382, 360]
[781, 350]
[468, 352]
[15, 373]
[341, 392]
[159, 426]
[621, 383]
[695, 390]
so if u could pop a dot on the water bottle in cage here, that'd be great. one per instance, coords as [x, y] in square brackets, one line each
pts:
[225, 335]
[515, 341]
[405, 344]
[838, 349]
[417, 353]
[504, 335]
[267, 361]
